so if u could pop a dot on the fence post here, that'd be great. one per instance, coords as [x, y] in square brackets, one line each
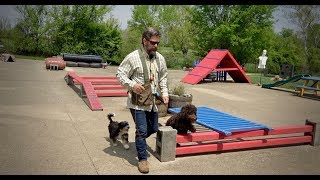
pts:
[315, 133]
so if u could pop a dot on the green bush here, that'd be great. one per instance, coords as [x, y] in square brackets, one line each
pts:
[273, 68]
[176, 60]
[172, 59]
[251, 68]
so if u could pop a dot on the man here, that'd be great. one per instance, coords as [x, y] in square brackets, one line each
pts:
[144, 73]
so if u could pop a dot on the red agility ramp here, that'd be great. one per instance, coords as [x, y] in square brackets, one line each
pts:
[215, 61]
[87, 90]
[92, 87]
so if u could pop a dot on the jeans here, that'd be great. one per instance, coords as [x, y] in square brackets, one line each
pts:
[146, 124]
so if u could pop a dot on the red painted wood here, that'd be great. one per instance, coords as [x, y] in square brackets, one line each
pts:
[217, 60]
[99, 77]
[213, 135]
[75, 77]
[102, 82]
[183, 150]
[93, 100]
[112, 93]
[196, 75]
[226, 69]
[108, 87]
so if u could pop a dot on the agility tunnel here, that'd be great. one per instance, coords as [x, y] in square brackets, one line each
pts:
[91, 87]
[227, 133]
[82, 58]
[79, 60]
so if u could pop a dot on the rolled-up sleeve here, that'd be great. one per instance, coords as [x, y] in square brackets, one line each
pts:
[125, 71]
[163, 78]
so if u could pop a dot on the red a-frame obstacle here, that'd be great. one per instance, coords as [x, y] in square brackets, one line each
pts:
[217, 60]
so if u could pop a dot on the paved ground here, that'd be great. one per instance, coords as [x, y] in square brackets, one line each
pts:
[45, 128]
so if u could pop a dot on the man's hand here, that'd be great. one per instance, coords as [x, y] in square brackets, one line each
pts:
[138, 88]
[165, 99]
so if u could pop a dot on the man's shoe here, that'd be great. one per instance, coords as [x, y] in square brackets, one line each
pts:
[143, 166]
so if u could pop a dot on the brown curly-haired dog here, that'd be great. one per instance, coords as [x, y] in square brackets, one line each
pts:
[183, 121]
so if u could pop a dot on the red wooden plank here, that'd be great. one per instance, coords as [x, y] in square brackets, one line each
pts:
[240, 75]
[202, 69]
[99, 77]
[213, 135]
[217, 60]
[226, 69]
[108, 87]
[216, 54]
[94, 102]
[112, 94]
[102, 82]
[196, 75]
[75, 77]
[183, 150]
[105, 83]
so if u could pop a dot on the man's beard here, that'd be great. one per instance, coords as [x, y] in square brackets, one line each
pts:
[152, 54]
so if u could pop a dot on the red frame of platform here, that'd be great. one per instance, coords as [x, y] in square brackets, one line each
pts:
[202, 142]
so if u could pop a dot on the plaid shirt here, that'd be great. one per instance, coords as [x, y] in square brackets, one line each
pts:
[130, 72]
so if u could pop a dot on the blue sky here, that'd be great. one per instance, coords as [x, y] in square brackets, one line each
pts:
[123, 14]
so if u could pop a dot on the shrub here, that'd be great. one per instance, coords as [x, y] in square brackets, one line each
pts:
[178, 89]
[251, 68]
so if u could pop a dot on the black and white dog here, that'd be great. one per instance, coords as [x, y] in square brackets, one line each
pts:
[118, 130]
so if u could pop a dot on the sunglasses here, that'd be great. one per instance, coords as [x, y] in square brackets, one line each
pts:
[154, 42]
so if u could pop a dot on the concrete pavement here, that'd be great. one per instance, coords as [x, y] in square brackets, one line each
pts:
[46, 128]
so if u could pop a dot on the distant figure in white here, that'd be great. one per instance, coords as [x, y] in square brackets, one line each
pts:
[263, 60]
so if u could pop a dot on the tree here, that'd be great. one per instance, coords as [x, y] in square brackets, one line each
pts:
[142, 17]
[239, 28]
[172, 21]
[180, 32]
[32, 27]
[5, 28]
[305, 17]
[285, 48]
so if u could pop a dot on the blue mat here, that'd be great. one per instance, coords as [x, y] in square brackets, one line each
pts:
[222, 122]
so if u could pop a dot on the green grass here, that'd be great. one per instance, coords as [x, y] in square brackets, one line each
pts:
[255, 78]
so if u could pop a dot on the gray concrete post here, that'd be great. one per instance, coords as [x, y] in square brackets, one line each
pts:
[316, 132]
[166, 144]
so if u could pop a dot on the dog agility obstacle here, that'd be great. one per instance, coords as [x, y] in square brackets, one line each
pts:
[90, 93]
[169, 144]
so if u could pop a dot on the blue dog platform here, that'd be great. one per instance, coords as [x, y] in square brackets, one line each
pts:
[222, 122]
